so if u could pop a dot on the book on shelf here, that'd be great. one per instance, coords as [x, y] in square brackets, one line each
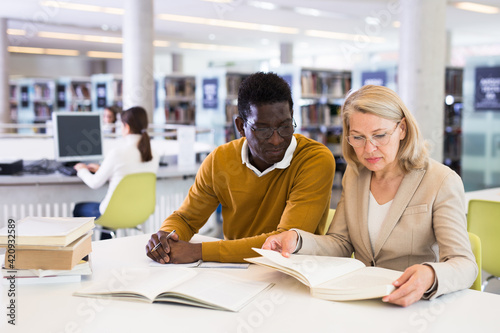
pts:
[50, 257]
[182, 285]
[332, 278]
[42, 276]
[50, 231]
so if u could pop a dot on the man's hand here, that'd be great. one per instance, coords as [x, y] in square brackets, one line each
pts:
[172, 250]
[285, 242]
[412, 285]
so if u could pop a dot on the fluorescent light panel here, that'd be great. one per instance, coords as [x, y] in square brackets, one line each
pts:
[342, 36]
[39, 50]
[214, 47]
[478, 8]
[98, 54]
[82, 7]
[228, 24]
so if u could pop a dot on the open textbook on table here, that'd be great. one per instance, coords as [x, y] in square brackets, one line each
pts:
[180, 285]
[332, 278]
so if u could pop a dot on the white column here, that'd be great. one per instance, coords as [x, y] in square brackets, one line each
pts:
[286, 53]
[138, 51]
[177, 63]
[4, 74]
[421, 78]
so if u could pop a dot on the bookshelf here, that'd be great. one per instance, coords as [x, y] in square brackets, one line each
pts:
[35, 102]
[107, 89]
[13, 100]
[175, 100]
[74, 94]
[217, 101]
[453, 108]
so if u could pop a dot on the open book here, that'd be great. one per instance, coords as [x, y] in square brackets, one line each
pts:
[332, 278]
[180, 285]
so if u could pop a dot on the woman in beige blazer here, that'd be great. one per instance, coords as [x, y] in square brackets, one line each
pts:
[399, 209]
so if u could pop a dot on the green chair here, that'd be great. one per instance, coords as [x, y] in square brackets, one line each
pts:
[483, 219]
[132, 203]
[329, 220]
[475, 243]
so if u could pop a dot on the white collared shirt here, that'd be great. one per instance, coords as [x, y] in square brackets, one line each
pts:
[283, 164]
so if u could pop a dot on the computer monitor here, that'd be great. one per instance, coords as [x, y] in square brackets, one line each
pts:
[77, 136]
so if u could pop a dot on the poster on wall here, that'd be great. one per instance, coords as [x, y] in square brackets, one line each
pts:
[487, 94]
[210, 97]
[101, 95]
[378, 78]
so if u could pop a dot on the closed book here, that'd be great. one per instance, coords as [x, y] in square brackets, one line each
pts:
[62, 258]
[48, 231]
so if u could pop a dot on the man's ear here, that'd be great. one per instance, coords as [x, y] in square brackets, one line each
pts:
[239, 125]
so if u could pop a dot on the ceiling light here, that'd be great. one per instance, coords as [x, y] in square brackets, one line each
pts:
[98, 54]
[161, 43]
[228, 24]
[39, 50]
[22, 49]
[62, 52]
[82, 7]
[219, 1]
[476, 7]
[307, 11]
[59, 35]
[214, 47]
[103, 39]
[16, 32]
[262, 5]
[342, 36]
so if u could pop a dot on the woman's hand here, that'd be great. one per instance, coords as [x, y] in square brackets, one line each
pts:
[412, 285]
[285, 242]
[79, 166]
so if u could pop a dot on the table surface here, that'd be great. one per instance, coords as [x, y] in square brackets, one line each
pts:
[286, 307]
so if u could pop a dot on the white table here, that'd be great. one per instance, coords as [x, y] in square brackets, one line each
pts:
[287, 307]
[492, 194]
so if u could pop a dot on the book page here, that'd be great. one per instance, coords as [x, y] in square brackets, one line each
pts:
[217, 290]
[137, 283]
[368, 282]
[315, 270]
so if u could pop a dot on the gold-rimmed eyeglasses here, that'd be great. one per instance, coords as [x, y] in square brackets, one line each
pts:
[376, 140]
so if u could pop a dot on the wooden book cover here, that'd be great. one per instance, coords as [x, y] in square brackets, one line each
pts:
[63, 258]
[47, 231]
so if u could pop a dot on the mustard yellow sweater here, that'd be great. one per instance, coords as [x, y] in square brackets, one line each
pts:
[254, 208]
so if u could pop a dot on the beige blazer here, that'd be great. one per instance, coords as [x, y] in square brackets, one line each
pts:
[426, 223]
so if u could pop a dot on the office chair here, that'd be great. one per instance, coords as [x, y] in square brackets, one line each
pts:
[483, 219]
[475, 243]
[131, 204]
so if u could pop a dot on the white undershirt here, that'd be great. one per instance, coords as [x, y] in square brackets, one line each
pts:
[376, 217]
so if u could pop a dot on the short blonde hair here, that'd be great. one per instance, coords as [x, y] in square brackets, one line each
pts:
[385, 103]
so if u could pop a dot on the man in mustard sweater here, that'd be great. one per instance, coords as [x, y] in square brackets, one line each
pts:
[267, 182]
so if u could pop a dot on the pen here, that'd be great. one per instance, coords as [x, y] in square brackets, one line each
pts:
[159, 243]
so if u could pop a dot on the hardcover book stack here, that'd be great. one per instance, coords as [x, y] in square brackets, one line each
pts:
[47, 248]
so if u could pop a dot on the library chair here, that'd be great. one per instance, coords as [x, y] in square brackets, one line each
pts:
[329, 220]
[483, 219]
[475, 243]
[132, 203]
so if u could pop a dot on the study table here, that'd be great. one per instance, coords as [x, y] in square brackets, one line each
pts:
[286, 307]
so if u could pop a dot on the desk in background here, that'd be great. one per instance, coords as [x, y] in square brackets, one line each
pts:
[287, 307]
[492, 194]
[56, 194]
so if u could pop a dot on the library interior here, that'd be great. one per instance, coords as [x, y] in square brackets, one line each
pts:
[83, 80]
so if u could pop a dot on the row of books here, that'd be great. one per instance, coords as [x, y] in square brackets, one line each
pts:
[47, 250]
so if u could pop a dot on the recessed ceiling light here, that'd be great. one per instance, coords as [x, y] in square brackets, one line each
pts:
[262, 5]
[211, 36]
[97, 54]
[476, 7]
[82, 7]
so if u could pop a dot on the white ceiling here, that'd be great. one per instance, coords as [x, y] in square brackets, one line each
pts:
[343, 16]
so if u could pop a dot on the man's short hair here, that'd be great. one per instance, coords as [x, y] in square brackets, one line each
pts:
[260, 89]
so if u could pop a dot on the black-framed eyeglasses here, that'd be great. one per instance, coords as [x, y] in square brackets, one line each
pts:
[264, 133]
[376, 140]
